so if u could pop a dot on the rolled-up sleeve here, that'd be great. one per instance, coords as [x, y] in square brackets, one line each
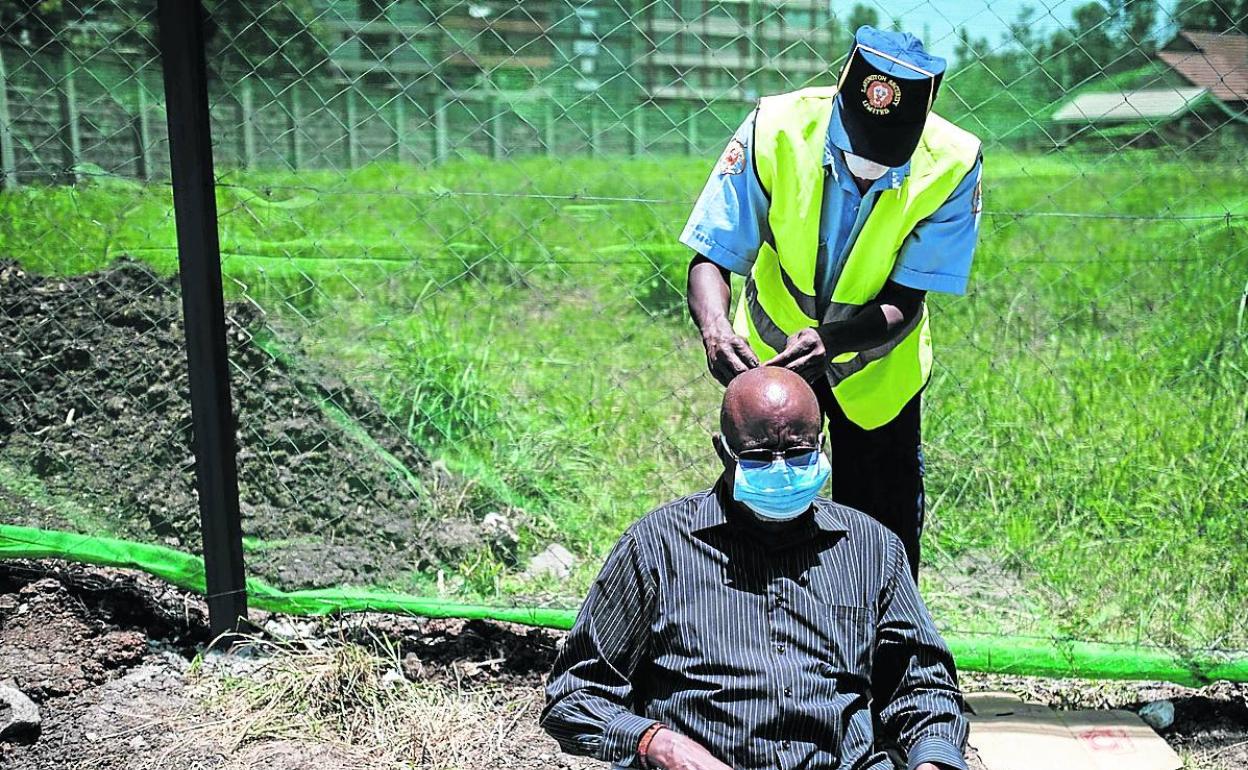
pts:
[591, 705]
[937, 256]
[914, 676]
[729, 220]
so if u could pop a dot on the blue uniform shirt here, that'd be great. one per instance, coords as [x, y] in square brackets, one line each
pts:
[729, 221]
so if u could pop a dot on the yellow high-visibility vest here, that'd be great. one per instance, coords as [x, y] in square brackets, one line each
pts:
[790, 132]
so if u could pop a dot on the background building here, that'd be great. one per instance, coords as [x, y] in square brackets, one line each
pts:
[1196, 84]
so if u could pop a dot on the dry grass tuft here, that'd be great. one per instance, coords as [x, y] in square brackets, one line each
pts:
[354, 699]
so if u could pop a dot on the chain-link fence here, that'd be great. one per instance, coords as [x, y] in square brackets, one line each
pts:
[460, 359]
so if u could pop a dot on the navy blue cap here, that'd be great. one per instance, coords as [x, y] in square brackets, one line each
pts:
[887, 88]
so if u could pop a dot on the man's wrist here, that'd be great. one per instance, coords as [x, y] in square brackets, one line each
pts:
[647, 739]
[716, 327]
[620, 737]
[938, 751]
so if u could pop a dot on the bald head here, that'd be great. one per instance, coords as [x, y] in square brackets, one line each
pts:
[769, 408]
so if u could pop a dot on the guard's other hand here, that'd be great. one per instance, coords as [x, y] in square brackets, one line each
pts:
[803, 353]
[727, 353]
[672, 751]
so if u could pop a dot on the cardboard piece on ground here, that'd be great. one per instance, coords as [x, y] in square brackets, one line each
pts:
[1012, 735]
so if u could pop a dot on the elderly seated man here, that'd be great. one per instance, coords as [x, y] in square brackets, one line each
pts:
[755, 625]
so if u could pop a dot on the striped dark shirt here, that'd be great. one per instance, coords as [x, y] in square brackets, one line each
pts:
[772, 651]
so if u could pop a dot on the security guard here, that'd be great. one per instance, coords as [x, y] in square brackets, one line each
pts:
[843, 207]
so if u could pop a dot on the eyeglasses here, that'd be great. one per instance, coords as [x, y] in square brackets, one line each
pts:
[758, 458]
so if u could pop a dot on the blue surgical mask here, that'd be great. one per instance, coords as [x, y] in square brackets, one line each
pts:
[783, 489]
[863, 168]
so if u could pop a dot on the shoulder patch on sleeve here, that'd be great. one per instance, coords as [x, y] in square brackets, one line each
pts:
[733, 159]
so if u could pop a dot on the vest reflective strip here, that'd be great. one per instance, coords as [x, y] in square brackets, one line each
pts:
[838, 371]
[838, 311]
[767, 330]
[805, 302]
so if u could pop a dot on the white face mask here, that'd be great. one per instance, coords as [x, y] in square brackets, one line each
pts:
[863, 168]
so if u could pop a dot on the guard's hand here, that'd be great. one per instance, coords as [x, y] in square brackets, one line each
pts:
[727, 353]
[803, 353]
[672, 751]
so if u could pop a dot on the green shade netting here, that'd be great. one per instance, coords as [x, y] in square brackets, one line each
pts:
[989, 654]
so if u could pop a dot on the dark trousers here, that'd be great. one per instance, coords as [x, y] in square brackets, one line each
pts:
[879, 472]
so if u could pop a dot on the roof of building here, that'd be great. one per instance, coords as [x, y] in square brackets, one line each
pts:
[1212, 60]
[1120, 106]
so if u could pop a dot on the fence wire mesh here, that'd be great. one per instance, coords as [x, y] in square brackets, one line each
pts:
[460, 356]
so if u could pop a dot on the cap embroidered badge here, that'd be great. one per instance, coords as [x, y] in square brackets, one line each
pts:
[883, 94]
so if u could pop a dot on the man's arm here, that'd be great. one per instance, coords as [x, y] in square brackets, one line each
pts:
[914, 679]
[591, 704]
[590, 697]
[725, 231]
[727, 353]
[808, 350]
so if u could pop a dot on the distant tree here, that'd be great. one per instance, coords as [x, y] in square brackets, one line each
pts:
[243, 35]
[265, 37]
[1022, 29]
[83, 25]
[1213, 15]
[862, 15]
[845, 26]
[967, 50]
[1090, 51]
[1136, 21]
[34, 23]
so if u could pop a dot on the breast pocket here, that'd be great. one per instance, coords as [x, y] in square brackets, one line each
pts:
[850, 635]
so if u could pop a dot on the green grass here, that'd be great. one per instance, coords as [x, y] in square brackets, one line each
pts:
[1086, 430]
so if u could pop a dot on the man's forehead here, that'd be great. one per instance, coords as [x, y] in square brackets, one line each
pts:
[778, 428]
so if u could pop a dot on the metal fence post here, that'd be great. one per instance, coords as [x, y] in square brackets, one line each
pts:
[296, 128]
[203, 308]
[441, 142]
[71, 139]
[400, 125]
[495, 128]
[639, 131]
[8, 159]
[691, 131]
[247, 123]
[548, 130]
[594, 149]
[142, 134]
[352, 116]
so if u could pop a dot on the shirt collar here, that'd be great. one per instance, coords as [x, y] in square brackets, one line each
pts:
[828, 517]
[710, 512]
[837, 143]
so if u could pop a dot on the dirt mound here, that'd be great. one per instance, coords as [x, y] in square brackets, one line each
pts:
[95, 436]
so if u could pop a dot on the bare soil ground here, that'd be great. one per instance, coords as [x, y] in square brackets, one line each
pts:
[111, 659]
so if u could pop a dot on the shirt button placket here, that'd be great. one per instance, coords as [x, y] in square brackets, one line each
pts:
[776, 604]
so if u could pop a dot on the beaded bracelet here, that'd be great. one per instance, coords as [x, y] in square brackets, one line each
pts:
[643, 745]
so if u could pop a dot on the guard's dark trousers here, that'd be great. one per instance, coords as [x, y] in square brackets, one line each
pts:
[879, 472]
